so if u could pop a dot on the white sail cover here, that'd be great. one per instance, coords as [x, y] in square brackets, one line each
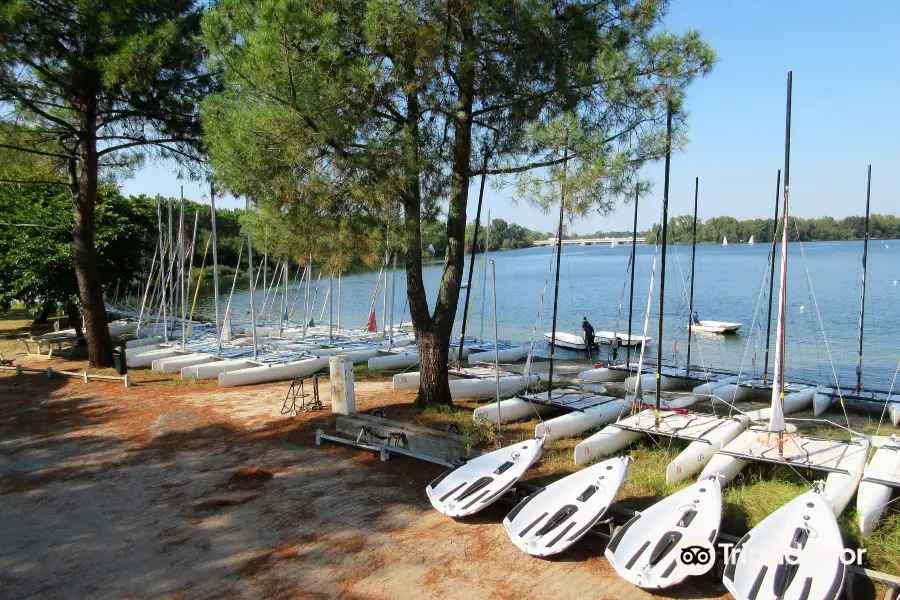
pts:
[776, 419]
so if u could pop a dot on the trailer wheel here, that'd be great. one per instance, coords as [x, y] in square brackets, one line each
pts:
[452, 428]
[378, 412]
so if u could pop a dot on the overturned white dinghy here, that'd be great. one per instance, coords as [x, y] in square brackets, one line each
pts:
[716, 326]
[794, 553]
[278, 372]
[607, 337]
[473, 382]
[555, 517]
[569, 341]
[881, 479]
[483, 480]
[647, 551]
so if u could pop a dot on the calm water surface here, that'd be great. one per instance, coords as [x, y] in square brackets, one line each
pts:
[824, 284]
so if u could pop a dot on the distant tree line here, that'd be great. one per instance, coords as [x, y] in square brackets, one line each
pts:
[500, 236]
[712, 231]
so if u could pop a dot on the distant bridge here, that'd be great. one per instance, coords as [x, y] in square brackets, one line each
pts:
[608, 241]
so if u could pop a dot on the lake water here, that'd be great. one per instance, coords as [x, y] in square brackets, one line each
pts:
[824, 283]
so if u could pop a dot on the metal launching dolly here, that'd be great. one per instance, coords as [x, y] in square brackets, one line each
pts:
[298, 390]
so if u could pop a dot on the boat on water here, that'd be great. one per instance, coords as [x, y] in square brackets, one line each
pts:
[724, 241]
[569, 341]
[752, 240]
[715, 326]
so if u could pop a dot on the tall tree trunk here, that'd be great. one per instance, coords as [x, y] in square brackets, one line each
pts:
[86, 271]
[74, 316]
[434, 340]
[41, 317]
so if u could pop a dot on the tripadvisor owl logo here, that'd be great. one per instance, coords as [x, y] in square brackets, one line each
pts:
[696, 555]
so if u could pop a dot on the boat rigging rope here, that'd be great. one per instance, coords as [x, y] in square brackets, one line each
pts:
[822, 326]
[622, 297]
[886, 400]
[538, 322]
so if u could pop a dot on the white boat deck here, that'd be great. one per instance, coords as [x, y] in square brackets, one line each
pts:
[800, 451]
[677, 424]
[570, 399]
[885, 471]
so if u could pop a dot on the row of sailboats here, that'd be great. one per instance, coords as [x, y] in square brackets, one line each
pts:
[795, 552]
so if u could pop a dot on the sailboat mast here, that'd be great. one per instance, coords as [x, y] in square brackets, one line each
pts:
[776, 421]
[487, 246]
[559, 245]
[662, 276]
[693, 260]
[862, 303]
[212, 205]
[462, 334]
[772, 273]
[637, 188]
[252, 283]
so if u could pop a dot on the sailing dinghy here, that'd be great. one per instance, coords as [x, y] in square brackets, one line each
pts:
[555, 517]
[481, 481]
[647, 551]
[880, 479]
[795, 553]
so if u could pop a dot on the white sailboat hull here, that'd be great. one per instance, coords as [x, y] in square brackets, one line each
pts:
[507, 355]
[608, 440]
[804, 529]
[145, 359]
[483, 480]
[697, 455]
[174, 364]
[268, 373]
[510, 410]
[552, 519]
[569, 341]
[579, 421]
[395, 360]
[603, 375]
[211, 370]
[646, 551]
[874, 494]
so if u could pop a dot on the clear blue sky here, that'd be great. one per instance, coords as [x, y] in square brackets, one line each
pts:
[846, 64]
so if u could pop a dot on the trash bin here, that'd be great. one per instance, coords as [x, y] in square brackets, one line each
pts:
[119, 359]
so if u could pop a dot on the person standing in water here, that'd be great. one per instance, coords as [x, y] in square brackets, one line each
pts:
[614, 348]
[588, 331]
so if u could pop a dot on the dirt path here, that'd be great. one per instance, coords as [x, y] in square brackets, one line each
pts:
[177, 490]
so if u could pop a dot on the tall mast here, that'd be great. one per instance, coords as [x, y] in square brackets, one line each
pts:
[776, 421]
[252, 283]
[662, 274]
[162, 270]
[212, 204]
[772, 273]
[487, 246]
[181, 236]
[862, 303]
[693, 260]
[465, 315]
[637, 188]
[559, 245]
[393, 292]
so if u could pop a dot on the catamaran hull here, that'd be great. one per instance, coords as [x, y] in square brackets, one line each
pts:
[510, 410]
[507, 355]
[607, 441]
[268, 373]
[874, 496]
[213, 369]
[604, 375]
[698, 453]
[174, 364]
[470, 388]
[579, 421]
[399, 360]
[145, 359]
